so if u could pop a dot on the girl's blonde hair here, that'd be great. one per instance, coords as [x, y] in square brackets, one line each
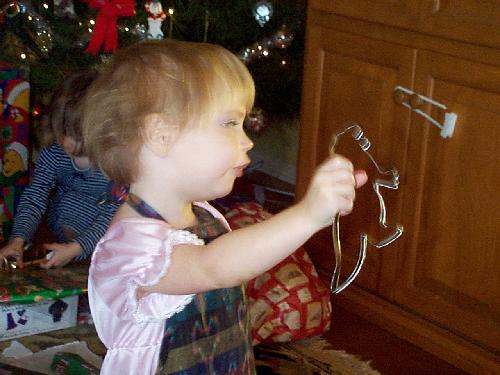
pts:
[184, 82]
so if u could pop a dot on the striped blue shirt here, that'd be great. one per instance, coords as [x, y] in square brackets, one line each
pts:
[69, 196]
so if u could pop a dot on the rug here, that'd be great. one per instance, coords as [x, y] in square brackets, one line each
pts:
[312, 356]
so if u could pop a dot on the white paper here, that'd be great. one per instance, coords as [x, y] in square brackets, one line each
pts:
[16, 350]
[41, 361]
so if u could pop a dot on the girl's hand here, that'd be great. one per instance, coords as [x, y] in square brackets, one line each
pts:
[62, 254]
[332, 190]
[14, 249]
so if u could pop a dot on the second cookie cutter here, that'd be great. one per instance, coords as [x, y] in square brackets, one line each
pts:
[397, 230]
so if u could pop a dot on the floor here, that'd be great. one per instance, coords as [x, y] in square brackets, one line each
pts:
[388, 354]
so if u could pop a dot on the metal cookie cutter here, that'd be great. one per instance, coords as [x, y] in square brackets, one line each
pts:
[9, 264]
[397, 230]
[6, 264]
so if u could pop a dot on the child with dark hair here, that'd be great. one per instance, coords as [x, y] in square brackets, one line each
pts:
[64, 186]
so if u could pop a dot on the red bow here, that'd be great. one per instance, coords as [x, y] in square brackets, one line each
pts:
[105, 30]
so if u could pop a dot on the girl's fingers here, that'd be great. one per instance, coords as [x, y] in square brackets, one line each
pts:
[51, 257]
[50, 246]
[360, 177]
[17, 254]
[46, 265]
[337, 162]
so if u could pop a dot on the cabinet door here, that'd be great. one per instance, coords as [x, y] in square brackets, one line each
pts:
[402, 13]
[351, 78]
[469, 20]
[449, 270]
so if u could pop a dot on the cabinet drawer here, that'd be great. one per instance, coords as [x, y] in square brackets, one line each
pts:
[401, 13]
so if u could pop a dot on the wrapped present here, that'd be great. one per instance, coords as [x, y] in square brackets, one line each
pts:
[289, 301]
[34, 300]
[14, 143]
[33, 284]
[71, 364]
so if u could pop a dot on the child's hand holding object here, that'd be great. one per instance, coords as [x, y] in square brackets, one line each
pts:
[332, 190]
[14, 249]
[61, 254]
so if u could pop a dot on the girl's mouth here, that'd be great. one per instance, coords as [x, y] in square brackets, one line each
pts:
[240, 171]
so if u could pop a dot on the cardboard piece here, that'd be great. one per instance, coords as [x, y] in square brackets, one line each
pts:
[17, 320]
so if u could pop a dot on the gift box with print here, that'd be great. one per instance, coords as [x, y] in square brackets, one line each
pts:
[17, 320]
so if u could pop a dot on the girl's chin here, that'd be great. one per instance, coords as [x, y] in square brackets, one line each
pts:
[218, 188]
[221, 193]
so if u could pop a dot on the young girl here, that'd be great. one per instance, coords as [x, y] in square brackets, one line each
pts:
[63, 185]
[165, 281]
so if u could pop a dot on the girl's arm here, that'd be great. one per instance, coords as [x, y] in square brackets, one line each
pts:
[91, 236]
[243, 254]
[35, 197]
[83, 245]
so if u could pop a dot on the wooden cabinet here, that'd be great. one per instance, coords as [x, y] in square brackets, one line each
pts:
[439, 285]
[402, 13]
[467, 20]
[472, 21]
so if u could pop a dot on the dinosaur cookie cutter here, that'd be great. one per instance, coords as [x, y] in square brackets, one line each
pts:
[356, 132]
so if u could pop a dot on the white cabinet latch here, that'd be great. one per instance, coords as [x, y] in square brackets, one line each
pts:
[412, 100]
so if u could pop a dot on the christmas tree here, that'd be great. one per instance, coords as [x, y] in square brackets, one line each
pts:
[51, 37]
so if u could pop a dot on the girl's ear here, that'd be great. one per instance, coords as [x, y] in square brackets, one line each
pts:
[159, 135]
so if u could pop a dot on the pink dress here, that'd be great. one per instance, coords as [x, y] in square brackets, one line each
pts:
[133, 253]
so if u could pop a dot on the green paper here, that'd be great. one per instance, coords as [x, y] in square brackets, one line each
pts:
[34, 284]
[71, 364]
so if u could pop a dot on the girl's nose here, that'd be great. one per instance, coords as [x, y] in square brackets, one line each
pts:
[246, 142]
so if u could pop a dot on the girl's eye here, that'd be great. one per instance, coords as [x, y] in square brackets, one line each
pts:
[230, 123]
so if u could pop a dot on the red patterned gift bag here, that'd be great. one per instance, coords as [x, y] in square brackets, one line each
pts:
[14, 143]
[288, 302]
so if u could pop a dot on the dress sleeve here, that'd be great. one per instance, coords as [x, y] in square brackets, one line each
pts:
[134, 254]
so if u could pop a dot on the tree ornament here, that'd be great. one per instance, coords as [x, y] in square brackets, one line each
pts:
[261, 49]
[246, 55]
[37, 111]
[38, 29]
[156, 16]
[283, 38]
[106, 24]
[139, 31]
[255, 120]
[34, 28]
[262, 11]
[8, 9]
[64, 8]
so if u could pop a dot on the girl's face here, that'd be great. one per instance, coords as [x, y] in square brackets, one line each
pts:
[73, 147]
[70, 145]
[212, 155]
